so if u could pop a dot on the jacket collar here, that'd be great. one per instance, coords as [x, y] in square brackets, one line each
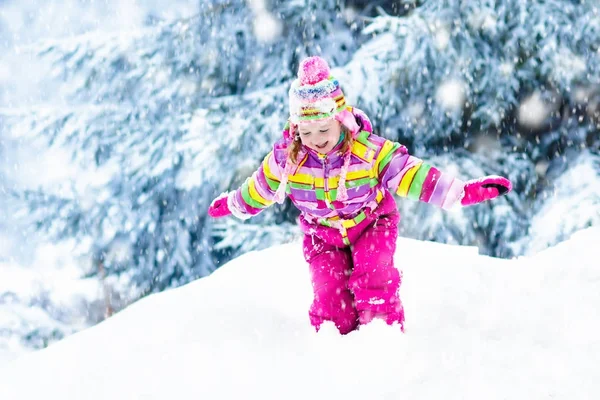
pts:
[333, 155]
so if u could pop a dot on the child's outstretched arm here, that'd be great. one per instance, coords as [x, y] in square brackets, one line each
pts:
[255, 194]
[411, 177]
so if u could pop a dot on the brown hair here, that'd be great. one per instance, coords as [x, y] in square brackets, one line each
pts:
[296, 145]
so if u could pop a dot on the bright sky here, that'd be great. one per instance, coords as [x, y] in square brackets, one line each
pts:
[477, 327]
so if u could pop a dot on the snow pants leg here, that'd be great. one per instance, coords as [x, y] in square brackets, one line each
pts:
[354, 284]
[375, 281]
[330, 267]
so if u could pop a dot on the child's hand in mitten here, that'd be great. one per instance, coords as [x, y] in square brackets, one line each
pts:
[485, 188]
[218, 208]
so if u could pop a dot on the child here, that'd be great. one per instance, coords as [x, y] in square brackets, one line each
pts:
[341, 177]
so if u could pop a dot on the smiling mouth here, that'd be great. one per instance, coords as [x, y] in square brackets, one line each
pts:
[322, 146]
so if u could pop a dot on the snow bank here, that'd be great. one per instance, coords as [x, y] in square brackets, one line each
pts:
[477, 327]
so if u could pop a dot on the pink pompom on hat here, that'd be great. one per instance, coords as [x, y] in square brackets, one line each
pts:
[315, 95]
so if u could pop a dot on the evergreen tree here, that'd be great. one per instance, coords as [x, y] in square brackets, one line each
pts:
[169, 117]
[453, 70]
[507, 78]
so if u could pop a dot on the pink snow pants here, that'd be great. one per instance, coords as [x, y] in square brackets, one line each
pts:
[353, 284]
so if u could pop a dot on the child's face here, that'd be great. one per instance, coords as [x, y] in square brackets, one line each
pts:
[321, 136]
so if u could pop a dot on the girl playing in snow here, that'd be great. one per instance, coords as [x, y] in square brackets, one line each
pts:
[341, 177]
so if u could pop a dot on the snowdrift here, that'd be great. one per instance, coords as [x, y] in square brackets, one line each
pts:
[477, 327]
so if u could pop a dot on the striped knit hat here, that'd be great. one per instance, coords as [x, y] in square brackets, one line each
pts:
[315, 95]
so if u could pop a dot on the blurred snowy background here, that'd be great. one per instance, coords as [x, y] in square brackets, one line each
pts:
[121, 120]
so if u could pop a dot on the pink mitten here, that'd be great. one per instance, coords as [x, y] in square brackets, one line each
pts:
[485, 188]
[218, 208]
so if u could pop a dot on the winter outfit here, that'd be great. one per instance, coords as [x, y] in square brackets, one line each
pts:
[348, 214]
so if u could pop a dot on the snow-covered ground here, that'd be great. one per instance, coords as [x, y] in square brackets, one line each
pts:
[477, 328]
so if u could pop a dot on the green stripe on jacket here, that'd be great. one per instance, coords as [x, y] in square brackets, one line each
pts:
[417, 184]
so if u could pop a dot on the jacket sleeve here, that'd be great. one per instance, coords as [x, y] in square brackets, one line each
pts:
[258, 191]
[411, 177]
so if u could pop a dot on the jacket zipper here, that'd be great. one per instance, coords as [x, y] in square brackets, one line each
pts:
[326, 181]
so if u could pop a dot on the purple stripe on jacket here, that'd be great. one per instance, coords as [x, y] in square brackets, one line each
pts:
[394, 171]
[304, 195]
[439, 192]
[355, 165]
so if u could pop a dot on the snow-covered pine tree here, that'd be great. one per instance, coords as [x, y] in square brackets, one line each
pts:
[450, 70]
[453, 74]
[39, 304]
[160, 122]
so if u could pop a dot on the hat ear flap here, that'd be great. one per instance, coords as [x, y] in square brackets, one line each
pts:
[289, 132]
[347, 119]
[364, 121]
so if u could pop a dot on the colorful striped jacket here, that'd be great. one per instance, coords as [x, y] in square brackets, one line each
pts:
[376, 166]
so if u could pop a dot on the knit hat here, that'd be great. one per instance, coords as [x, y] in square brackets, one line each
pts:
[315, 95]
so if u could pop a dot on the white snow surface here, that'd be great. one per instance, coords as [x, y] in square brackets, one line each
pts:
[477, 328]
